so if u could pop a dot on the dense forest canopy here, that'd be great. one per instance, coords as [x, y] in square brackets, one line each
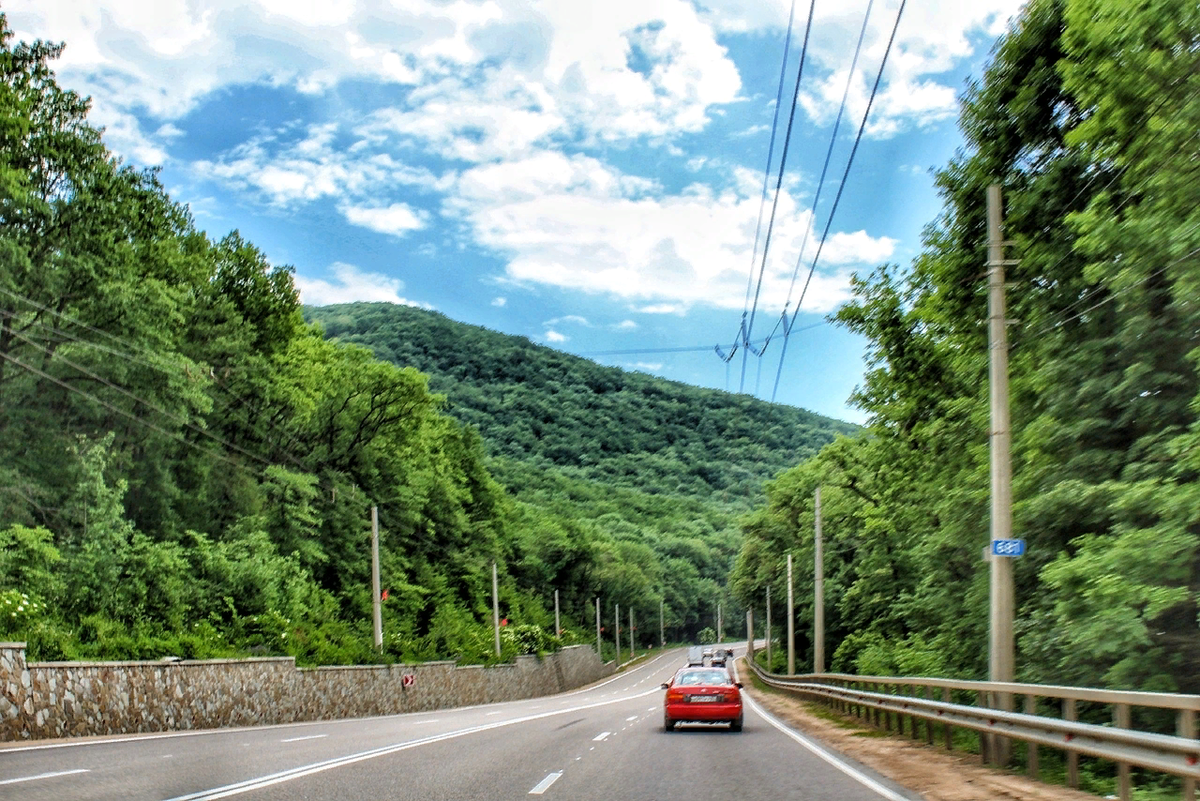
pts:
[1087, 117]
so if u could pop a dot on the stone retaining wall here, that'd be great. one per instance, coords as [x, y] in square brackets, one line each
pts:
[67, 699]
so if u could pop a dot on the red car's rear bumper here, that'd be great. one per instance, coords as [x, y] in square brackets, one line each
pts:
[684, 712]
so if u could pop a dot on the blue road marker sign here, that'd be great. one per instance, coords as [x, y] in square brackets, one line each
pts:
[1008, 547]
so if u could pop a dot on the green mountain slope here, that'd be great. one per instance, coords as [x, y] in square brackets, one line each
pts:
[540, 406]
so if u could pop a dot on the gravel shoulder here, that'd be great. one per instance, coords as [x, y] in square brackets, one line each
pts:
[938, 775]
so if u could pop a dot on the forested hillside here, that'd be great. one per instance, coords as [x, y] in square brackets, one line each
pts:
[550, 409]
[1088, 117]
[187, 466]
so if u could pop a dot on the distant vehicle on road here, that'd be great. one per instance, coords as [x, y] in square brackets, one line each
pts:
[702, 695]
[695, 656]
[719, 656]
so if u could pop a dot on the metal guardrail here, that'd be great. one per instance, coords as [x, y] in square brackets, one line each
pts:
[1177, 755]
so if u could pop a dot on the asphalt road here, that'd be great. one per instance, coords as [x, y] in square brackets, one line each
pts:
[602, 743]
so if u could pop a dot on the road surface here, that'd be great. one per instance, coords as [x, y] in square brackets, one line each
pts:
[601, 743]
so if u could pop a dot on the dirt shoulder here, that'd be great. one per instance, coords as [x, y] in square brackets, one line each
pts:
[938, 775]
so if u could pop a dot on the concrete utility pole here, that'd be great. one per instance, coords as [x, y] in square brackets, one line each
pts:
[1000, 651]
[496, 607]
[818, 595]
[791, 622]
[377, 603]
[720, 624]
[599, 652]
[631, 648]
[617, 631]
[768, 627]
[662, 625]
[750, 634]
[557, 622]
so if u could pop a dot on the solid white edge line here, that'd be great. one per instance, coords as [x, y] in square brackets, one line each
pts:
[826, 755]
[545, 783]
[261, 782]
[305, 737]
[45, 776]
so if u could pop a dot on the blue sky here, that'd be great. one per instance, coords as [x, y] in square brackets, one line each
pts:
[586, 174]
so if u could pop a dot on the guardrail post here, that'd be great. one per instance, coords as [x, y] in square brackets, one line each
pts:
[1031, 752]
[1124, 781]
[1185, 726]
[928, 723]
[1071, 713]
[948, 730]
[985, 739]
[913, 723]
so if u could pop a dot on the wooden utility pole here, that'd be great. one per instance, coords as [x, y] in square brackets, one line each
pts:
[818, 595]
[1000, 645]
[791, 622]
[377, 603]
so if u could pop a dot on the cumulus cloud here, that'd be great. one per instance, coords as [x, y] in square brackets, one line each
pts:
[625, 325]
[351, 284]
[397, 219]
[572, 222]
[554, 336]
[500, 302]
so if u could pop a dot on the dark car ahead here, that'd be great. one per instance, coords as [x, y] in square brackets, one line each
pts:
[719, 656]
[702, 695]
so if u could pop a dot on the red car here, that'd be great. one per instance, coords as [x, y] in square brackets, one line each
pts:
[703, 695]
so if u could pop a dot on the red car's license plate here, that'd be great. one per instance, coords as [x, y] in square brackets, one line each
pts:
[703, 698]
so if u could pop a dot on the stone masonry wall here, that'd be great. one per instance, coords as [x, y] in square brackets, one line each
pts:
[68, 699]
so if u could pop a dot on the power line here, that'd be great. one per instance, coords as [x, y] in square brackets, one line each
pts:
[787, 139]
[825, 167]
[684, 349]
[138, 399]
[137, 419]
[837, 198]
[762, 204]
[168, 369]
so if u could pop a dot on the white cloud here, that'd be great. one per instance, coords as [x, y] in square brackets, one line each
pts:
[625, 325]
[350, 285]
[554, 336]
[570, 318]
[397, 219]
[663, 308]
[285, 169]
[571, 222]
[647, 367]
[501, 302]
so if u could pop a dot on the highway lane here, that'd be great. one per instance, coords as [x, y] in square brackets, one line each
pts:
[602, 742]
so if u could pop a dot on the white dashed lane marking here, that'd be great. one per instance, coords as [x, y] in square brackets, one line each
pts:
[44, 776]
[545, 783]
[306, 737]
[601, 736]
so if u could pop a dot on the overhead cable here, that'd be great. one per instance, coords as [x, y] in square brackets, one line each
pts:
[837, 198]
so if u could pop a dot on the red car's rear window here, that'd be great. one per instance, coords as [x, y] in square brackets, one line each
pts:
[699, 678]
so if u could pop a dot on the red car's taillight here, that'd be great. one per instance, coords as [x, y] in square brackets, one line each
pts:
[674, 696]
